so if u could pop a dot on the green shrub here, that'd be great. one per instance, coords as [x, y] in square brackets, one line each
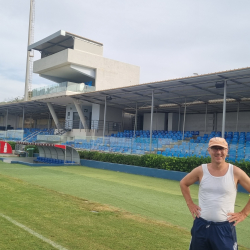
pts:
[156, 161]
[12, 144]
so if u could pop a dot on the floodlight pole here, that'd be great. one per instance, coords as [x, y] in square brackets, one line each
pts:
[224, 109]
[151, 121]
[238, 109]
[29, 61]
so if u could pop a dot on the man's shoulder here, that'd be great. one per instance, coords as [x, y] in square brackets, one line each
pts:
[198, 170]
[237, 171]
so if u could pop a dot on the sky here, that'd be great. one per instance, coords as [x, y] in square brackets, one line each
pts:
[166, 38]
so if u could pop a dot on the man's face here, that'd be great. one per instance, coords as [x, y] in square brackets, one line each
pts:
[218, 154]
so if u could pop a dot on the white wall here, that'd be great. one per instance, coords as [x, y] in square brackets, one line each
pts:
[70, 109]
[109, 73]
[12, 120]
[243, 124]
[86, 46]
[173, 120]
[196, 122]
[159, 121]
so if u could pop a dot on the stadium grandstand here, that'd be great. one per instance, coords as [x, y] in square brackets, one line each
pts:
[96, 103]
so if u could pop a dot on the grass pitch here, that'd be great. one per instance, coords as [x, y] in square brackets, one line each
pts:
[85, 208]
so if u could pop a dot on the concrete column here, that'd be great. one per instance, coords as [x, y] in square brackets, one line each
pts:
[53, 114]
[80, 113]
[224, 110]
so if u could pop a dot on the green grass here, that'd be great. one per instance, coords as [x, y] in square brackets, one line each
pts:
[154, 199]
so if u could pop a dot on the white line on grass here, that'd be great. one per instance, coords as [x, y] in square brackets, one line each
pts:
[52, 243]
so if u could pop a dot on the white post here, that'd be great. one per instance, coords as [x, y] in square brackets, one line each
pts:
[206, 120]
[23, 119]
[6, 122]
[179, 121]
[135, 126]
[151, 121]
[184, 120]
[224, 110]
[238, 109]
[104, 120]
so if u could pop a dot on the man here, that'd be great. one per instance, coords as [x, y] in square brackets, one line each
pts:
[214, 218]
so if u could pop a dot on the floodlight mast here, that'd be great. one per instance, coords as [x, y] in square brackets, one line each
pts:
[30, 54]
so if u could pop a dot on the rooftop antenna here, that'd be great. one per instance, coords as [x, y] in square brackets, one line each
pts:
[30, 54]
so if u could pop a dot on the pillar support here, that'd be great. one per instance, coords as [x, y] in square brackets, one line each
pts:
[54, 116]
[80, 113]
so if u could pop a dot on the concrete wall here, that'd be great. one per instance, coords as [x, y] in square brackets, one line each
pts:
[196, 122]
[173, 120]
[127, 121]
[70, 109]
[112, 114]
[12, 120]
[86, 46]
[159, 121]
[109, 73]
[243, 124]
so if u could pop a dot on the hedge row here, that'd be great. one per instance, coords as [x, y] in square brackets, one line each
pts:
[12, 144]
[156, 161]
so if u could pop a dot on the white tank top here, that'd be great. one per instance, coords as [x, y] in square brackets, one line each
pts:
[217, 195]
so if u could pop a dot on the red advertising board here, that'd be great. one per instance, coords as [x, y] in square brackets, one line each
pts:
[5, 148]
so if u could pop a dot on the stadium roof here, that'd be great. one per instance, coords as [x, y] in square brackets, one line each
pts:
[58, 41]
[34, 109]
[169, 95]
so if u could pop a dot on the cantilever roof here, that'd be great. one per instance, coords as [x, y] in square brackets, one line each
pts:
[57, 42]
[169, 95]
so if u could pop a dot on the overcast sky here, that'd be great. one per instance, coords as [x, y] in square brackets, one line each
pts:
[166, 38]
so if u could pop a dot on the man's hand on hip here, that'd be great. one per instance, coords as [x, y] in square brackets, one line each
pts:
[236, 217]
[194, 210]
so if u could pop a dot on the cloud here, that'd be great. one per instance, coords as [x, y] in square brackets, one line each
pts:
[166, 38]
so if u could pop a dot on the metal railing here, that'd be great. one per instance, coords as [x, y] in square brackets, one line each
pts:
[94, 124]
[16, 135]
[61, 87]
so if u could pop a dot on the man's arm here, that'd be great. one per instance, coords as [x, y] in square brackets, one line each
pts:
[187, 181]
[244, 181]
